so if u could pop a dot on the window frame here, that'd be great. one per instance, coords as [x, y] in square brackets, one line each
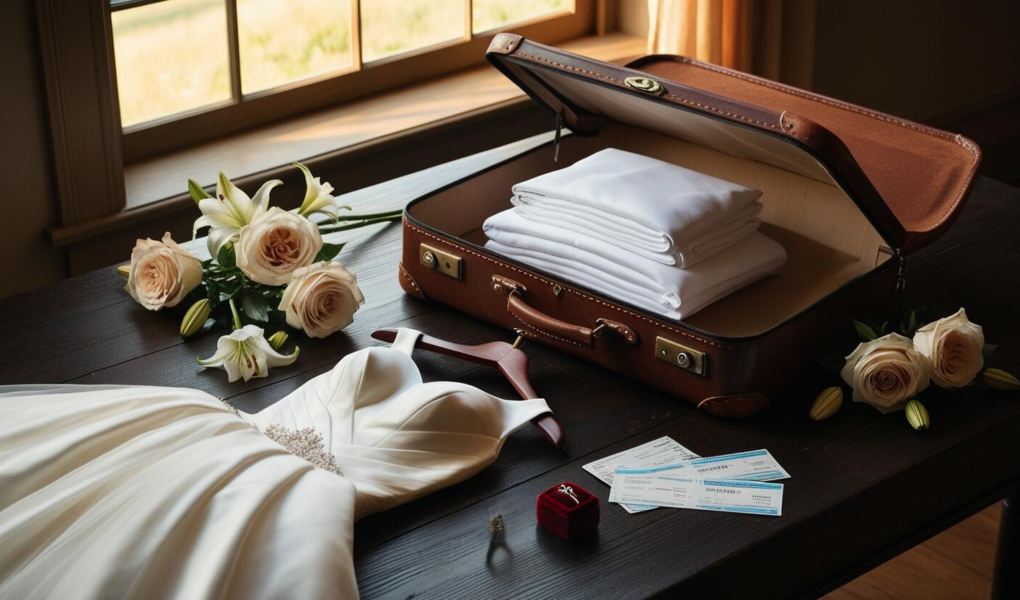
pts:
[245, 111]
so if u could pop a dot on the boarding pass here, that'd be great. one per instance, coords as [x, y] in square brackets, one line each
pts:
[663, 451]
[725, 495]
[756, 465]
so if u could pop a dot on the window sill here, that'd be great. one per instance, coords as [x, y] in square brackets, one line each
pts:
[156, 187]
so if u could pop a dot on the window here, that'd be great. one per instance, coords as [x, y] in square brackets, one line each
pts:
[129, 82]
[191, 70]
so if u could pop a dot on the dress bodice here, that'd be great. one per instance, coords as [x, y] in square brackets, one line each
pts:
[395, 437]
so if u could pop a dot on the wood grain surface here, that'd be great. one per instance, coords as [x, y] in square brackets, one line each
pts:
[954, 565]
[864, 486]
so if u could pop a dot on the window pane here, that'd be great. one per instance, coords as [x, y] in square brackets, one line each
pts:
[286, 40]
[393, 26]
[492, 14]
[171, 57]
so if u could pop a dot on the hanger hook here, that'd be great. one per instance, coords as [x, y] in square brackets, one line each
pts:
[520, 338]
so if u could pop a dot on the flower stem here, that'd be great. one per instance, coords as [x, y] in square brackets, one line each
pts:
[352, 217]
[237, 317]
[367, 221]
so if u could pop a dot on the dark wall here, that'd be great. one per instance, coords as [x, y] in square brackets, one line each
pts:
[915, 59]
[26, 186]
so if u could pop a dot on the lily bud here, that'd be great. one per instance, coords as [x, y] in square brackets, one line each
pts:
[195, 318]
[917, 415]
[826, 404]
[124, 271]
[197, 193]
[277, 340]
[997, 379]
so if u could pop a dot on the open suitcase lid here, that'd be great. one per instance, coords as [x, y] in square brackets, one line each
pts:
[908, 179]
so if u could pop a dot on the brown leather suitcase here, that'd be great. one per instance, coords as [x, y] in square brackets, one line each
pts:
[846, 190]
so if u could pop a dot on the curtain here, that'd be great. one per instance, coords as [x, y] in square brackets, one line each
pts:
[771, 38]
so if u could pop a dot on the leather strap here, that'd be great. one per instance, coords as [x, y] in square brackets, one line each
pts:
[508, 49]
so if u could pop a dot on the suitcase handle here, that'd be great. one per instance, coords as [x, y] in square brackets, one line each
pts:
[537, 321]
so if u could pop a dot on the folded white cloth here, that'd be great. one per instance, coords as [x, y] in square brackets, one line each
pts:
[655, 209]
[663, 289]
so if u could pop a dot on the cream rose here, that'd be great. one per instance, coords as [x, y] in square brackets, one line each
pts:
[886, 372]
[321, 299]
[276, 243]
[162, 273]
[954, 346]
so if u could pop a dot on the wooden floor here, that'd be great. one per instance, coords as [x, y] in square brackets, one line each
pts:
[954, 564]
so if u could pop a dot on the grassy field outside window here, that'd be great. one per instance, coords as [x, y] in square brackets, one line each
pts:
[172, 56]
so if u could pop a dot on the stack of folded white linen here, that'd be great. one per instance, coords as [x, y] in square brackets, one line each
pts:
[661, 237]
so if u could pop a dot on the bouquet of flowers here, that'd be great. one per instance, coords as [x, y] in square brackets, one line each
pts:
[890, 370]
[268, 267]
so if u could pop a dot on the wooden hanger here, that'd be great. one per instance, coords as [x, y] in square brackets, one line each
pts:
[511, 361]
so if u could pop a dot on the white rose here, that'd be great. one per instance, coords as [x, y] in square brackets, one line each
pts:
[276, 243]
[321, 299]
[886, 372]
[954, 346]
[162, 273]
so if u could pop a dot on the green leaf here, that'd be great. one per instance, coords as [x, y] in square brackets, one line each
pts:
[227, 258]
[910, 327]
[883, 329]
[255, 307]
[197, 193]
[328, 252]
[865, 331]
[989, 349]
[832, 362]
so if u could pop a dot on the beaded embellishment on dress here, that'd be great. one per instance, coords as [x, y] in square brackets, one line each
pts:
[305, 443]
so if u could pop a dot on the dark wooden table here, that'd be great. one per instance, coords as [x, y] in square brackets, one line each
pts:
[864, 486]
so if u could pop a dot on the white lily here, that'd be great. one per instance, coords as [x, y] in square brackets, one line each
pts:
[229, 211]
[318, 196]
[246, 353]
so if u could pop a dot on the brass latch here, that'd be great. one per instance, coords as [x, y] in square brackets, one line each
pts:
[440, 260]
[644, 84]
[681, 356]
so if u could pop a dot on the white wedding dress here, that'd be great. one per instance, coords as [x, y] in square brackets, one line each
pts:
[148, 492]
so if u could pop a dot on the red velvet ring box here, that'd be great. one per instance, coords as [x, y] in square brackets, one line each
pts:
[557, 511]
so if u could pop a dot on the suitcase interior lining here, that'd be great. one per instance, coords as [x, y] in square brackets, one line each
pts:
[919, 172]
[828, 240]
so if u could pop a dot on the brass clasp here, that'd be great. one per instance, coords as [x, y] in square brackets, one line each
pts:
[681, 356]
[440, 261]
[644, 84]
